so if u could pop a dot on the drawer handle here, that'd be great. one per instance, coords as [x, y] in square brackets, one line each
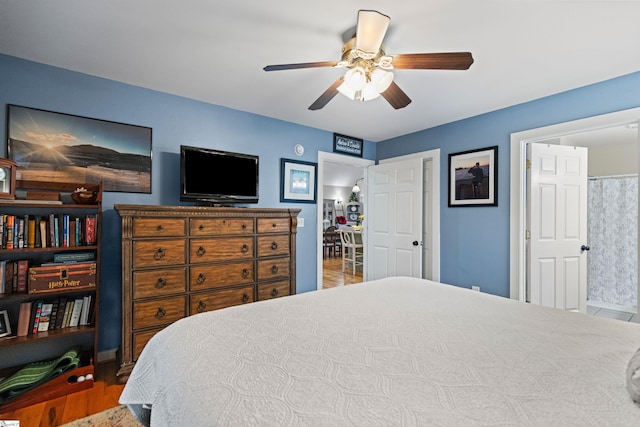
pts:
[160, 227]
[201, 306]
[274, 225]
[201, 227]
[161, 283]
[244, 226]
[245, 248]
[274, 292]
[201, 251]
[245, 273]
[160, 253]
[274, 245]
[201, 278]
[161, 313]
[274, 269]
[245, 297]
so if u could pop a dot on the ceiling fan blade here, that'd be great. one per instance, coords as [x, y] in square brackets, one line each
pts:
[372, 26]
[396, 96]
[326, 96]
[433, 61]
[301, 65]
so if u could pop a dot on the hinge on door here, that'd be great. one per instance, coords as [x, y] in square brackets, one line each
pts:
[528, 164]
[527, 234]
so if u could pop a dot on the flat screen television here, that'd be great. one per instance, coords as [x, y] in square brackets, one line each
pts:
[215, 177]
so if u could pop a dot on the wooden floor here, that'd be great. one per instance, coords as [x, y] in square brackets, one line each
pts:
[333, 276]
[103, 395]
[106, 390]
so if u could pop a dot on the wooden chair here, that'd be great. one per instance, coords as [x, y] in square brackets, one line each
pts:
[330, 237]
[352, 252]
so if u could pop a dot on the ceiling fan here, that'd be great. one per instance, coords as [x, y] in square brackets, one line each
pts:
[369, 74]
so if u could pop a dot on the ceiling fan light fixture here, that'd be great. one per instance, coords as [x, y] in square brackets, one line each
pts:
[369, 92]
[346, 91]
[381, 79]
[356, 78]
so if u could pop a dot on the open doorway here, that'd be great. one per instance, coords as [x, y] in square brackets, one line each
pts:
[571, 130]
[337, 175]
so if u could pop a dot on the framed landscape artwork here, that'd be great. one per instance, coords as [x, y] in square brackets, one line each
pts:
[56, 147]
[298, 181]
[473, 178]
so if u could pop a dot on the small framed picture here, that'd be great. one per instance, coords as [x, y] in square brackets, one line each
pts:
[473, 178]
[298, 181]
[344, 144]
[5, 327]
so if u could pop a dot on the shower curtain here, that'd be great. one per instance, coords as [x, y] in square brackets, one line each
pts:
[613, 236]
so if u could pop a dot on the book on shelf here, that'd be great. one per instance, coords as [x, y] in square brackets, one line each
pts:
[3, 275]
[62, 305]
[74, 318]
[84, 313]
[44, 236]
[67, 312]
[73, 256]
[31, 202]
[90, 229]
[31, 232]
[10, 220]
[45, 316]
[24, 316]
[23, 276]
[37, 309]
[54, 314]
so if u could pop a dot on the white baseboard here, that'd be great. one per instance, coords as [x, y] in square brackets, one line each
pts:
[616, 307]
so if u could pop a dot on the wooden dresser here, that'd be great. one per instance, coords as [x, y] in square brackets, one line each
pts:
[183, 260]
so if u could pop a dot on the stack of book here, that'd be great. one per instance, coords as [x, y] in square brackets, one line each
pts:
[57, 313]
[54, 230]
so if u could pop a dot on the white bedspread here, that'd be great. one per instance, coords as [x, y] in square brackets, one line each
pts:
[396, 351]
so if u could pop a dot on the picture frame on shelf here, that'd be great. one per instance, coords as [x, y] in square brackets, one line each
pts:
[57, 147]
[298, 181]
[473, 178]
[5, 326]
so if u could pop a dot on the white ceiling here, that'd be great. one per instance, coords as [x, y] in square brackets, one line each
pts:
[214, 51]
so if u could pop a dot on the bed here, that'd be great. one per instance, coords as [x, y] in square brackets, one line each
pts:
[395, 351]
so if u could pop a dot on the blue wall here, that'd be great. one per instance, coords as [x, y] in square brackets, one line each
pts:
[475, 240]
[175, 121]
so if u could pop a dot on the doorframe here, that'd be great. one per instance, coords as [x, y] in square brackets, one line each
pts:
[323, 157]
[518, 195]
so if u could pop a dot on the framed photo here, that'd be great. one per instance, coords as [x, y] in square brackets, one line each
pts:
[57, 147]
[347, 145]
[473, 178]
[5, 327]
[298, 181]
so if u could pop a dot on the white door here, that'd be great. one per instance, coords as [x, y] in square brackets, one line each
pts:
[557, 222]
[394, 233]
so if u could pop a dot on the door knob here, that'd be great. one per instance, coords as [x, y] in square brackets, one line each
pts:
[415, 243]
[584, 248]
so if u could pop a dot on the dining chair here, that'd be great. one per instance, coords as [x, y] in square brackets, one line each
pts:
[352, 251]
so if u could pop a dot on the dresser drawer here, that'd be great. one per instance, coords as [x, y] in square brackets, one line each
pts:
[159, 227]
[212, 227]
[158, 253]
[273, 268]
[273, 289]
[211, 276]
[273, 245]
[220, 299]
[159, 282]
[140, 339]
[221, 249]
[159, 312]
[274, 225]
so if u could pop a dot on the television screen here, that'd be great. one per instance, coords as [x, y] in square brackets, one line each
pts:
[212, 176]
